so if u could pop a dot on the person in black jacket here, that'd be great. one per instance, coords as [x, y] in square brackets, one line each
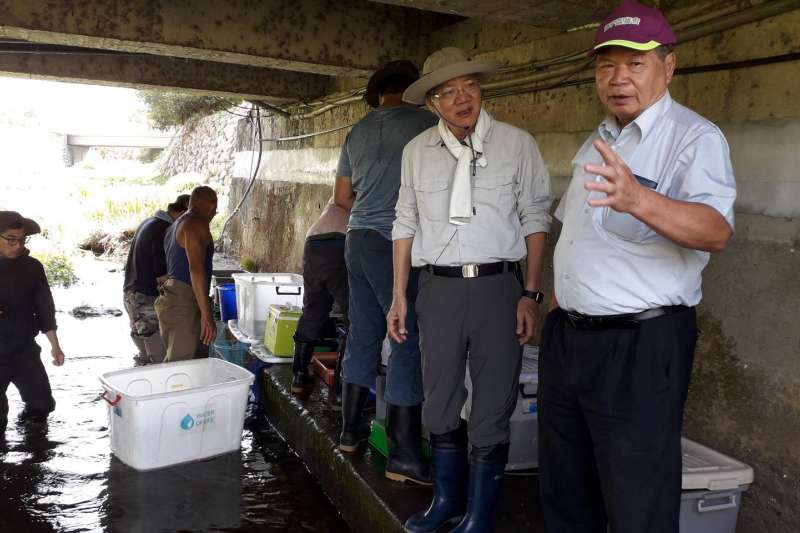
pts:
[26, 308]
[145, 270]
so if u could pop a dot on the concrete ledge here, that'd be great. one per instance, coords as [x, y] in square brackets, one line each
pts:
[355, 482]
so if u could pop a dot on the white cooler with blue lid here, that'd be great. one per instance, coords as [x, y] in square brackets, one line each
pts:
[713, 484]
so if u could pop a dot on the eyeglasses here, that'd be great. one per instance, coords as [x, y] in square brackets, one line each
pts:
[13, 241]
[448, 95]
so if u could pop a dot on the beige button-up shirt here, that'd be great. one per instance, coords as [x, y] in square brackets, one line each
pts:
[510, 196]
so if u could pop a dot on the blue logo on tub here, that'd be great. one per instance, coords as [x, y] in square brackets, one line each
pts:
[187, 422]
[200, 419]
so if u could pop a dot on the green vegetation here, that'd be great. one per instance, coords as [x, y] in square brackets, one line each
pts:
[169, 109]
[59, 269]
[248, 264]
[125, 211]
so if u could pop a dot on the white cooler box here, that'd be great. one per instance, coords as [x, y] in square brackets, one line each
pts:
[161, 415]
[256, 292]
[712, 489]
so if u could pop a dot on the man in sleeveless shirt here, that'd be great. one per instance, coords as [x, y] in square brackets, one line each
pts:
[183, 307]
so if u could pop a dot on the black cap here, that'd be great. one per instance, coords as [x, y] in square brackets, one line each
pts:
[401, 68]
[10, 219]
[181, 203]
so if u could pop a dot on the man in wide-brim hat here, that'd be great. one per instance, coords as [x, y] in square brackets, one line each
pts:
[474, 201]
[368, 178]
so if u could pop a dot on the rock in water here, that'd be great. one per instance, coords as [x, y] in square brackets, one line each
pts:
[87, 311]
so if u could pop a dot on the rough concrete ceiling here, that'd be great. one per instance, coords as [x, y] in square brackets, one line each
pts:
[331, 37]
[543, 13]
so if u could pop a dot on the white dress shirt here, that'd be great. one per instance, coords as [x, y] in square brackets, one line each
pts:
[607, 262]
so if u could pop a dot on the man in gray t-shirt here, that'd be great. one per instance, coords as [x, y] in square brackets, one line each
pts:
[367, 183]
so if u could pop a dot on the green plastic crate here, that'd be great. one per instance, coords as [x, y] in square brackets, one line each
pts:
[378, 440]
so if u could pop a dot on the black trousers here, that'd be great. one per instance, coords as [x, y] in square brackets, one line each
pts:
[610, 416]
[324, 282]
[26, 372]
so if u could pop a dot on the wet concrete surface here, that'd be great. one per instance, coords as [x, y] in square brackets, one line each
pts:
[356, 483]
[62, 477]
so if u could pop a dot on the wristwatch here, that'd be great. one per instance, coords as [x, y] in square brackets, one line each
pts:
[536, 296]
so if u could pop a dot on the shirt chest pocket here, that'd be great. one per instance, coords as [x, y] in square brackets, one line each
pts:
[627, 226]
[433, 199]
[496, 191]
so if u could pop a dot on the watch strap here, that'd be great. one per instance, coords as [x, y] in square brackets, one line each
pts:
[536, 296]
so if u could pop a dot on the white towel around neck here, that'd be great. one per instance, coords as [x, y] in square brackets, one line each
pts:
[461, 189]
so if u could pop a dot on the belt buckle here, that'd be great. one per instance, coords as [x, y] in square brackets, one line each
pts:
[469, 271]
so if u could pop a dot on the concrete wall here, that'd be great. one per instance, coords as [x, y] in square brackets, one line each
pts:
[745, 396]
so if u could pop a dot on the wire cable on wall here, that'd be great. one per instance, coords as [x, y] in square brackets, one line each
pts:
[257, 136]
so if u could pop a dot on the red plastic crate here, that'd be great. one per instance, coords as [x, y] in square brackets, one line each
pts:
[324, 364]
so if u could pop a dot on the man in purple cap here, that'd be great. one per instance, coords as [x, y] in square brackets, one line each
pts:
[26, 308]
[652, 194]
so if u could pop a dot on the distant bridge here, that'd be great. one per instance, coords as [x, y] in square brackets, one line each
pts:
[77, 146]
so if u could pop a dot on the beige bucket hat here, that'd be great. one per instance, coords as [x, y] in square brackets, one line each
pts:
[443, 65]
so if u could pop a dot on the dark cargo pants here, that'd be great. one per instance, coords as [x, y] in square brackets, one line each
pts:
[324, 282]
[476, 317]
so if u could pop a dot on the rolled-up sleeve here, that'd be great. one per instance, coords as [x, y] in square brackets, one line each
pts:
[532, 189]
[708, 177]
[406, 219]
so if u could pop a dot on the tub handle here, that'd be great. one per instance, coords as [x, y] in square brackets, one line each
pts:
[729, 503]
[113, 402]
[290, 292]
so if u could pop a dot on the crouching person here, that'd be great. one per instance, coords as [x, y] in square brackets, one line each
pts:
[26, 308]
[474, 200]
[324, 282]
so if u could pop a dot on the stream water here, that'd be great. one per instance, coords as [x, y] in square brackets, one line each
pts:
[62, 476]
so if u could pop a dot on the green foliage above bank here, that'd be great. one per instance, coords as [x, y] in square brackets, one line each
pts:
[170, 109]
[59, 269]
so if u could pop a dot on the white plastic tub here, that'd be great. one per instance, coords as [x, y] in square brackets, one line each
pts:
[712, 489]
[171, 413]
[256, 292]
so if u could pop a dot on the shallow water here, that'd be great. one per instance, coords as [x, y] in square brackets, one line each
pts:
[62, 476]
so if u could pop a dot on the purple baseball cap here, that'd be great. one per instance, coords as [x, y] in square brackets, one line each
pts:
[636, 26]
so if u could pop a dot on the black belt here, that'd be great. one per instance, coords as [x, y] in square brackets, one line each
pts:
[631, 320]
[473, 271]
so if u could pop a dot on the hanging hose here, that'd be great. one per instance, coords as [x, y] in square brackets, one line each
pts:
[254, 175]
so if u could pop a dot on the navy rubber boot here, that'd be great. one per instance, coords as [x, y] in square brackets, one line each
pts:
[486, 469]
[449, 465]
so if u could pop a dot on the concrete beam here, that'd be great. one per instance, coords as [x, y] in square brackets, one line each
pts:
[154, 72]
[559, 14]
[333, 37]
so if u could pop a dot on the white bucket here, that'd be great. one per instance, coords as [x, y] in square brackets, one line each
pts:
[161, 415]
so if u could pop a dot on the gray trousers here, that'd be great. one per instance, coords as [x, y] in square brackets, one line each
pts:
[470, 321]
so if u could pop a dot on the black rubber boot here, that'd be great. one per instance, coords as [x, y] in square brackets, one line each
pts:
[449, 465]
[486, 469]
[404, 436]
[302, 357]
[354, 431]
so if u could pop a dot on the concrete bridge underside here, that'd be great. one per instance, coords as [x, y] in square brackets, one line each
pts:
[273, 50]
